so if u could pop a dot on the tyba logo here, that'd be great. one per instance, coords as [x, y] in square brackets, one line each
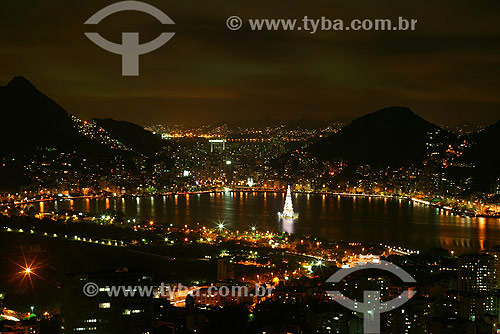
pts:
[130, 49]
[372, 306]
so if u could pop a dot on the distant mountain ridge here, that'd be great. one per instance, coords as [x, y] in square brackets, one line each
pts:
[304, 123]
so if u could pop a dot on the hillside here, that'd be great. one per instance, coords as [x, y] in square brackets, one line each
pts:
[483, 153]
[31, 120]
[132, 135]
[41, 141]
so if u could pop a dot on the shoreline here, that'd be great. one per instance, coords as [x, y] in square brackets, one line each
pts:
[445, 208]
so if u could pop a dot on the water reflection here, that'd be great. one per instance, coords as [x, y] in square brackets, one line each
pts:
[288, 225]
[363, 219]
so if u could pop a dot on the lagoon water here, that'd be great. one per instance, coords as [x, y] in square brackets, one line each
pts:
[364, 219]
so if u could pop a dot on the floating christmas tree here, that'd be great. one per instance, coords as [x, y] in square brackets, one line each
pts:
[288, 212]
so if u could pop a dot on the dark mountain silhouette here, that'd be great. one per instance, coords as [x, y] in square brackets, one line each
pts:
[132, 136]
[391, 136]
[483, 153]
[33, 125]
[31, 120]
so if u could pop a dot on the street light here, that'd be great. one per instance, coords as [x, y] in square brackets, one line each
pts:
[221, 226]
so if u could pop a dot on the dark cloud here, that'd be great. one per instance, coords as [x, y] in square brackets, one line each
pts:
[448, 70]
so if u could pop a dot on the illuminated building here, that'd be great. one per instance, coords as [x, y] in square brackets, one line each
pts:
[217, 144]
[476, 273]
[104, 314]
[410, 319]
[225, 270]
[476, 285]
[358, 259]
[495, 253]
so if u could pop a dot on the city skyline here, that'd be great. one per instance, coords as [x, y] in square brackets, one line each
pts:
[263, 167]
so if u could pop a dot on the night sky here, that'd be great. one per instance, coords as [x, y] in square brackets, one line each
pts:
[447, 71]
